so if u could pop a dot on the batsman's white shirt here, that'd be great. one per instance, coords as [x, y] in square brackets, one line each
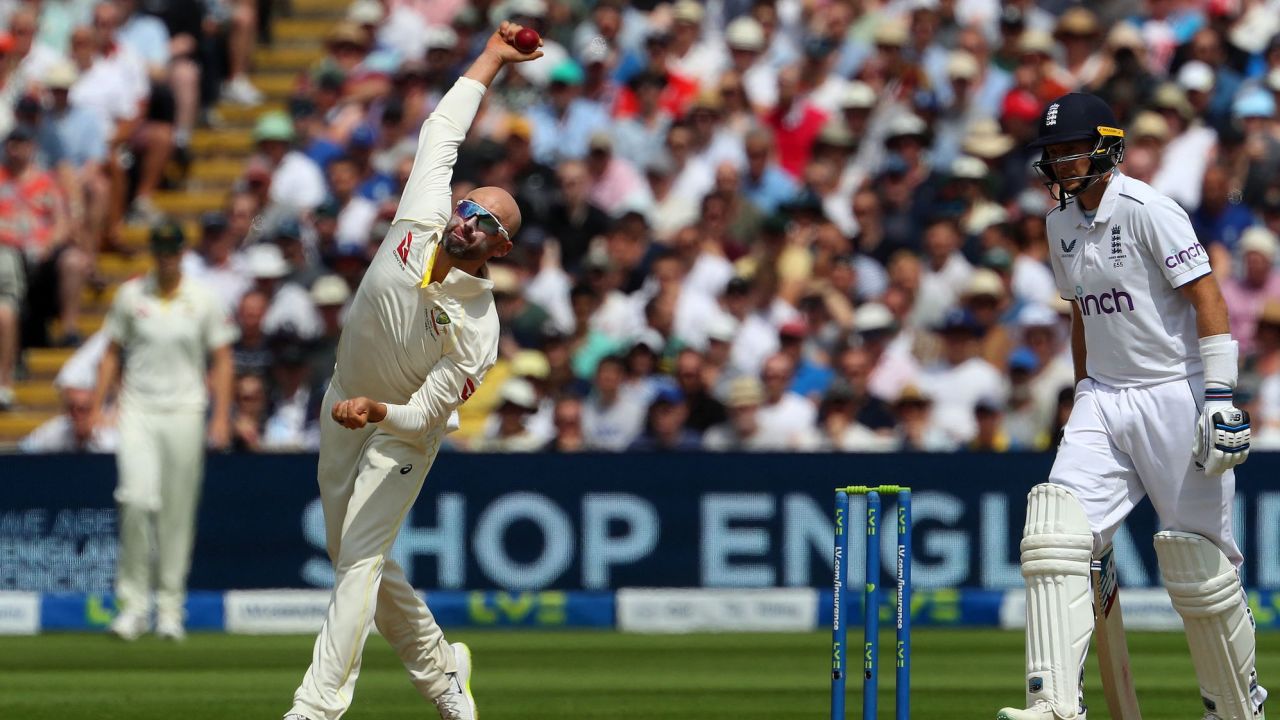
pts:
[422, 347]
[1132, 427]
[1123, 269]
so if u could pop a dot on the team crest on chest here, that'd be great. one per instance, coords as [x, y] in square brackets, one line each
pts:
[1117, 249]
[438, 320]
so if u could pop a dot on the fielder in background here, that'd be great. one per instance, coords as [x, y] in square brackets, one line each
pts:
[164, 328]
[1155, 368]
[421, 334]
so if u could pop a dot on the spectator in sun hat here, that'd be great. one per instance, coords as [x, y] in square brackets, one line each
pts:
[289, 305]
[742, 431]
[1192, 145]
[1249, 289]
[511, 433]
[917, 430]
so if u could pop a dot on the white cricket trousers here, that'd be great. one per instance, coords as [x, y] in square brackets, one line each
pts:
[368, 481]
[1122, 444]
[160, 464]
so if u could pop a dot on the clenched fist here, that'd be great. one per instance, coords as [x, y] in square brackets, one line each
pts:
[357, 412]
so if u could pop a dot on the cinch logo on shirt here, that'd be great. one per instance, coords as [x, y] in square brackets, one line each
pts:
[1105, 303]
[1182, 256]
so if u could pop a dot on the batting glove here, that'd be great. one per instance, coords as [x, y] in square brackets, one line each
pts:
[1222, 433]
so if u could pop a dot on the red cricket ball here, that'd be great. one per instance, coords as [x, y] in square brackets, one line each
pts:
[526, 41]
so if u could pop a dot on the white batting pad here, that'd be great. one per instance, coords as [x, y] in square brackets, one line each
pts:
[1206, 592]
[1057, 549]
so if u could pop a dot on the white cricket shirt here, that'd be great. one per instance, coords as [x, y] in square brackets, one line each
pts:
[408, 341]
[1123, 270]
[166, 342]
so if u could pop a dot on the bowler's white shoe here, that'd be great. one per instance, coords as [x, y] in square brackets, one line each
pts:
[296, 716]
[128, 626]
[456, 703]
[1042, 710]
[170, 628]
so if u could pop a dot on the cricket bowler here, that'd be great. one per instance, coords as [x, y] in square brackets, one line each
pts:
[1155, 370]
[421, 334]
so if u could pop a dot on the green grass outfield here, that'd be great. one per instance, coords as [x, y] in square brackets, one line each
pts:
[543, 675]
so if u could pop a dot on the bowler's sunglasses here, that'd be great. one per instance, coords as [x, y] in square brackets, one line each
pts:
[488, 222]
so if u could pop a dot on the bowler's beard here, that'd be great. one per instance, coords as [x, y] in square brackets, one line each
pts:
[460, 249]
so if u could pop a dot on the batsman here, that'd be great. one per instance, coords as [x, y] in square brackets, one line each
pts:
[1155, 372]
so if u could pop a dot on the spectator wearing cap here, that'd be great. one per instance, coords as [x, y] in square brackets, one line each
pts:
[765, 183]
[564, 123]
[215, 261]
[74, 145]
[820, 83]
[611, 419]
[970, 181]
[1247, 292]
[665, 427]
[357, 213]
[373, 184]
[1025, 421]
[297, 249]
[511, 433]
[784, 414]
[1207, 46]
[812, 374]
[640, 137]
[295, 397]
[743, 431]
[296, 182]
[1192, 145]
[290, 309]
[616, 185]
[892, 365]
[599, 85]
[170, 347]
[1255, 114]
[917, 431]
[960, 377]
[990, 434]
[963, 76]
[695, 377]
[1041, 331]
[756, 337]
[1219, 221]
[795, 122]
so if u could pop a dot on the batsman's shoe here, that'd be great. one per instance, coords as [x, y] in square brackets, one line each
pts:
[170, 628]
[456, 703]
[1042, 710]
[296, 716]
[128, 626]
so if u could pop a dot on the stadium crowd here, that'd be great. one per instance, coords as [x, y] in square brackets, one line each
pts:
[797, 225]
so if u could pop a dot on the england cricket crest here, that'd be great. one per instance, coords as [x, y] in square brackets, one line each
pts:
[1117, 249]
[438, 320]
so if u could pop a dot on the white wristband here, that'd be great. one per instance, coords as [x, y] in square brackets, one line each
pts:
[1221, 358]
[403, 420]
